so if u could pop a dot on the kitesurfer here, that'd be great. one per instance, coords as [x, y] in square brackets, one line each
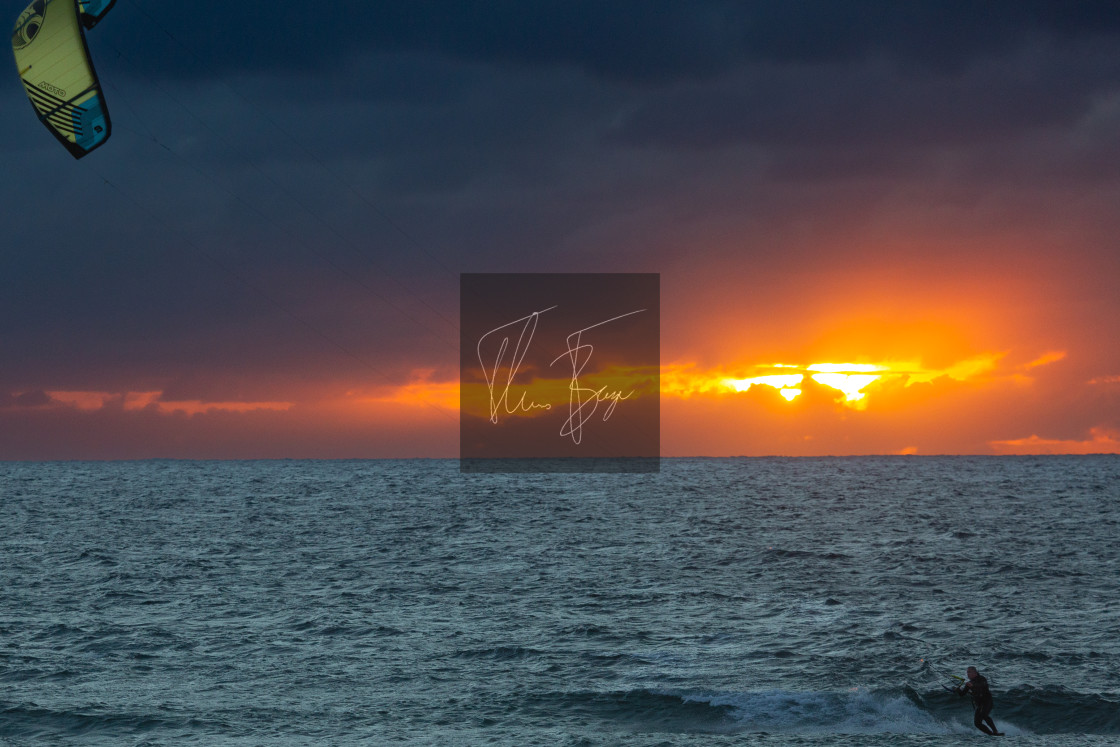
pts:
[977, 687]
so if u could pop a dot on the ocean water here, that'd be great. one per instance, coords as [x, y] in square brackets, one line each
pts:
[718, 602]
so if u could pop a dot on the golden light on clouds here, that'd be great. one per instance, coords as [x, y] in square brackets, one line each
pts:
[422, 390]
[855, 385]
[852, 380]
[1052, 356]
[849, 378]
[852, 403]
[778, 381]
[788, 385]
[537, 396]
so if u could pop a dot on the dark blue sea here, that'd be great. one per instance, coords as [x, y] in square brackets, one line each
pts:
[718, 602]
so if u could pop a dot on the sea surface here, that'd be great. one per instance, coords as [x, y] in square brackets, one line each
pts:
[718, 602]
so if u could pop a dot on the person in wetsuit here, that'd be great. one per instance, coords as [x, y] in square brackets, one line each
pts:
[977, 687]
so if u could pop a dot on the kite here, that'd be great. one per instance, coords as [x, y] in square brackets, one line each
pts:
[92, 11]
[54, 65]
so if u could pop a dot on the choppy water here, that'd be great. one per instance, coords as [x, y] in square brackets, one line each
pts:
[722, 601]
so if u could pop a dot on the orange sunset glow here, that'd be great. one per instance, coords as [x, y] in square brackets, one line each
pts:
[902, 406]
[850, 379]
[892, 388]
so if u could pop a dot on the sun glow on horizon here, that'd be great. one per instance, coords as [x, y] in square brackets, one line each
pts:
[850, 379]
[788, 385]
[778, 381]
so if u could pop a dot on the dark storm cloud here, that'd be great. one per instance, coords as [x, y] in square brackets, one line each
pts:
[877, 103]
[440, 93]
[36, 398]
[237, 220]
[641, 40]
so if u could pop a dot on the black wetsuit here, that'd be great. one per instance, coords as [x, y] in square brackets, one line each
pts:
[977, 687]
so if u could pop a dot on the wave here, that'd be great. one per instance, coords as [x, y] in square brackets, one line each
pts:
[772, 711]
[35, 722]
[499, 653]
[1056, 710]
[637, 710]
[1036, 710]
[855, 711]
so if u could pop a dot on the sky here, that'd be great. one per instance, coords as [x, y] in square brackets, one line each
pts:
[909, 211]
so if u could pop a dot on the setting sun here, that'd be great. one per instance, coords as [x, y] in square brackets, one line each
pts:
[847, 378]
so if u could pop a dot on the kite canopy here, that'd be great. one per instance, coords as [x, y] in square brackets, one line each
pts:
[54, 64]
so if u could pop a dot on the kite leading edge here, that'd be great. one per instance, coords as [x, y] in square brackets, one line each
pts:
[92, 11]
